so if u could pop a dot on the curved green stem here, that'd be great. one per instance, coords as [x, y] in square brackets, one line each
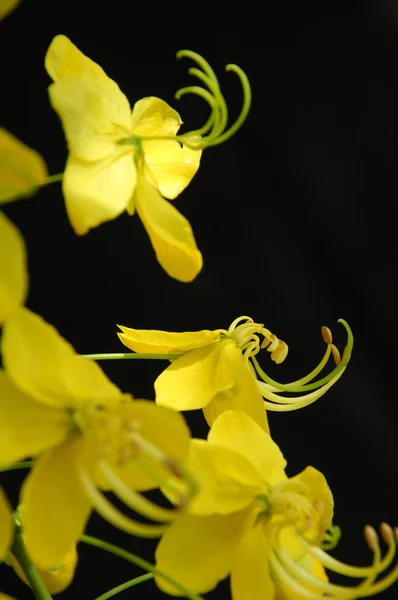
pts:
[24, 464]
[128, 355]
[19, 551]
[140, 562]
[125, 586]
[54, 178]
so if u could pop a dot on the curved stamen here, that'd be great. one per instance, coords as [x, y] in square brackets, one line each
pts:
[301, 385]
[238, 320]
[134, 500]
[220, 104]
[114, 516]
[283, 404]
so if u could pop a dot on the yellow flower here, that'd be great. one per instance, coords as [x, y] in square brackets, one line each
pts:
[266, 531]
[217, 370]
[86, 435]
[13, 269]
[22, 169]
[6, 6]
[112, 167]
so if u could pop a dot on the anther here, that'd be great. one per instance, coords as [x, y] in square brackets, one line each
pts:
[336, 354]
[371, 537]
[386, 533]
[326, 334]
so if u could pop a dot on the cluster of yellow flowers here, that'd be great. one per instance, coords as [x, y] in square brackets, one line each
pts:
[230, 509]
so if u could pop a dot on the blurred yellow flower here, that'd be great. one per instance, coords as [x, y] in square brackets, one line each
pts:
[13, 268]
[6, 6]
[217, 370]
[86, 435]
[22, 169]
[116, 163]
[263, 529]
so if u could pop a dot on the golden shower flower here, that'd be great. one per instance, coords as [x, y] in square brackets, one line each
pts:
[22, 169]
[217, 369]
[120, 160]
[86, 436]
[267, 531]
[13, 268]
[6, 6]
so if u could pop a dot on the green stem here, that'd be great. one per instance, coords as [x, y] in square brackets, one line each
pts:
[54, 178]
[24, 464]
[125, 586]
[19, 551]
[139, 562]
[129, 355]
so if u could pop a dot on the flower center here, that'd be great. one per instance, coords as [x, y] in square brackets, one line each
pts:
[246, 335]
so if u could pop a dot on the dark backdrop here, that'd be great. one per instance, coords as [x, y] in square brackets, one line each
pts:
[295, 217]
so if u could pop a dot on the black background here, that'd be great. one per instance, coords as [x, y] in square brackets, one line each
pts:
[295, 217]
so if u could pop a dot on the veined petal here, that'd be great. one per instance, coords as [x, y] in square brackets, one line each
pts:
[97, 192]
[89, 103]
[152, 116]
[22, 169]
[27, 427]
[244, 396]
[228, 482]
[6, 525]
[250, 576]
[45, 366]
[194, 379]
[170, 233]
[152, 341]
[57, 579]
[94, 115]
[64, 59]
[54, 507]
[13, 268]
[6, 6]
[165, 430]
[171, 164]
[239, 432]
[321, 496]
[197, 551]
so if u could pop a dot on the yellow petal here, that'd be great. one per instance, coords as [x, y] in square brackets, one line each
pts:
[6, 525]
[56, 579]
[194, 379]
[27, 427]
[171, 164]
[13, 268]
[54, 507]
[45, 366]
[152, 116]
[161, 427]
[198, 551]
[227, 480]
[93, 110]
[64, 59]
[170, 233]
[321, 496]
[244, 396]
[250, 575]
[22, 169]
[239, 432]
[97, 192]
[6, 6]
[152, 341]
